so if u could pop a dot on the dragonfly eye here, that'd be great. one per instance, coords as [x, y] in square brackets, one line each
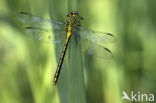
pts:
[76, 13]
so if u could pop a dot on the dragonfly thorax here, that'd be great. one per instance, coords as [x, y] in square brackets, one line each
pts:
[73, 21]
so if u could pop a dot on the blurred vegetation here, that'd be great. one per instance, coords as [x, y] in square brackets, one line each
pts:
[27, 67]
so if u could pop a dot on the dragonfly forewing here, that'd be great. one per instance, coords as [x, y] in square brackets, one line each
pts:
[44, 30]
[38, 22]
[96, 36]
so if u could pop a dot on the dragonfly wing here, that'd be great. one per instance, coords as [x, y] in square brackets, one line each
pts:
[42, 29]
[96, 36]
[45, 35]
[37, 22]
[98, 50]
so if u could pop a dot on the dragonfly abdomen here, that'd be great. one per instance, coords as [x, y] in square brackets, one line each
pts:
[57, 73]
[69, 33]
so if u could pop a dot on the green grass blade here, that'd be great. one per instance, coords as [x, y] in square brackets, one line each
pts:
[71, 85]
[76, 75]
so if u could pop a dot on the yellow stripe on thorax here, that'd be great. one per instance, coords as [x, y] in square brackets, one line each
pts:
[69, 29]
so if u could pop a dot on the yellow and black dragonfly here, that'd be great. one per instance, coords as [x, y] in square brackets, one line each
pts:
[42, 30]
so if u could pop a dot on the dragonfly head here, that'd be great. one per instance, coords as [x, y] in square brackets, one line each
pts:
[74, 14]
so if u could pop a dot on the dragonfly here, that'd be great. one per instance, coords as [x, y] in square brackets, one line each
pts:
[41, 29]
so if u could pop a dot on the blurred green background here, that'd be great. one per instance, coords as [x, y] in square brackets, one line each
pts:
[27, 66]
